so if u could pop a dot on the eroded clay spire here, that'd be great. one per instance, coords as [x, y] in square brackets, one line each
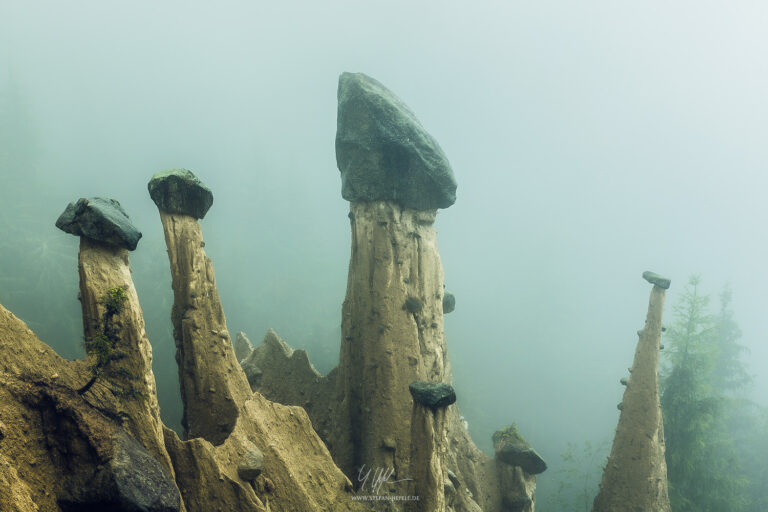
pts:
[635, 477]
[213, 386]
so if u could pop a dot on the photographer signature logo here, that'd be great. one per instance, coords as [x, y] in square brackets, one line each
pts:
[375, 478]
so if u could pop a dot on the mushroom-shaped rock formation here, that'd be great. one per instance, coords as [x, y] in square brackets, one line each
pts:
[432, 394]
[449, 303]
[395, 177]
[180, 191]
[635, 477]
[100, 219]
[512, 449]
[383, 152]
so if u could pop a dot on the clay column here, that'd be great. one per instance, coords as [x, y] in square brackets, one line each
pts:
[213, 386]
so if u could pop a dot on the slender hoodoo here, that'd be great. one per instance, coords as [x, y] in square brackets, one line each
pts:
[213, 387]
[395, 175]
[635, 477]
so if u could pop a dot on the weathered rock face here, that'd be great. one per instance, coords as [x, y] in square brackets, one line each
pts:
[180, 191]
[99, 219]
[383, 152]
[635, 477]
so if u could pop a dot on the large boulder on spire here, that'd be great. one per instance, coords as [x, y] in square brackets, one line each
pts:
[384, 153]
[511, 448]
[99, 219]
[180, 191]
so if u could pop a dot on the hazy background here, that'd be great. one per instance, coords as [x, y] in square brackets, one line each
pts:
[591, 141]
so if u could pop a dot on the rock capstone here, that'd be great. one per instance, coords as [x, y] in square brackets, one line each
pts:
[99, 219]
[656, 279]
[384, 153]
[432, 394]
[180, 191]
[512, 449]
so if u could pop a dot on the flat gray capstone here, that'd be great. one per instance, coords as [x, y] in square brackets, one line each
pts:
[432, 394]
[180, 191]
[99, 219]
[383, 152]
[656, 279]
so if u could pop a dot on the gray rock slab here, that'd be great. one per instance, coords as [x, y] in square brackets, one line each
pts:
[140, 481]
[384, 153]
[432, 394]
[180, 191]
[100, 219]
[656, 279]
[251, 465]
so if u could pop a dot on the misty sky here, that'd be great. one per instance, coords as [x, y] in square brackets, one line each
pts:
[591, 141]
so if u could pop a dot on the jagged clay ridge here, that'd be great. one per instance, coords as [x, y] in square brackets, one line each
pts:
[635, 477]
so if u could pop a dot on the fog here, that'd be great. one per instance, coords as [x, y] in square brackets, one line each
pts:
[590, 141]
